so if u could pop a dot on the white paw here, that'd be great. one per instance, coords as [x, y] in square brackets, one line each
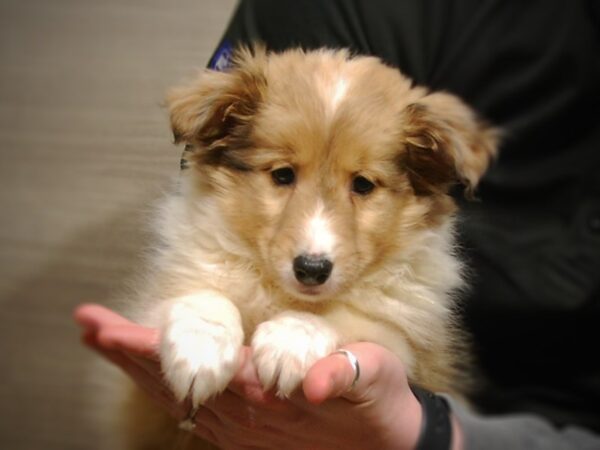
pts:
[287, 346]
[199, 356]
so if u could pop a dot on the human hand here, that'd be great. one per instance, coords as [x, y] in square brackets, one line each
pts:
[379, 412]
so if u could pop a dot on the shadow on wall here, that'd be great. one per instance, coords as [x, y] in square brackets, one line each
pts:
[48, 392]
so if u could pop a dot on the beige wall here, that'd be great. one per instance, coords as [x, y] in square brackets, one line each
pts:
[84, 147]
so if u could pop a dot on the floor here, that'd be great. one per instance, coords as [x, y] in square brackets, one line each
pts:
[84, 149]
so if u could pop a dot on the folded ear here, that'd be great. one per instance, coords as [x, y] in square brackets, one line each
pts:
[445, 143]
[213, 113]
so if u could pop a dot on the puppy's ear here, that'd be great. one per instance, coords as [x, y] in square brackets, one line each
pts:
[445, 143]
[214, 111]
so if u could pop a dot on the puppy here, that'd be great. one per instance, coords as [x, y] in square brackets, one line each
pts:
[314, 212]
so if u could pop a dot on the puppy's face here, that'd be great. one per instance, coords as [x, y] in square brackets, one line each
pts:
[326, 166]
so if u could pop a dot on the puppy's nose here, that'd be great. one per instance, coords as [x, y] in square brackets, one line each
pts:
[312, 270]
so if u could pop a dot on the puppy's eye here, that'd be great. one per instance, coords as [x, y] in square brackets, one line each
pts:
[362, 186]
[283, 176]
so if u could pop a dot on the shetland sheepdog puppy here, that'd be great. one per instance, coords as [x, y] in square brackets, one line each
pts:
[314, 212]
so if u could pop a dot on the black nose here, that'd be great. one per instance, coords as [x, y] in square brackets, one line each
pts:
[312, 270]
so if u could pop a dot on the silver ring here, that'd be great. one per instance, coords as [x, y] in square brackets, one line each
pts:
[353, 362]
[188, 424]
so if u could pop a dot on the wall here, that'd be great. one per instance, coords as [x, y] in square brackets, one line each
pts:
[84, 149]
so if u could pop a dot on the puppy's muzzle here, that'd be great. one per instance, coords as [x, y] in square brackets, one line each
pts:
[312, 270]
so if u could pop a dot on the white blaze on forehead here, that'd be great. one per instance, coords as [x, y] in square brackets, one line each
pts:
[332, 91]
[339, 92]
[319, 238]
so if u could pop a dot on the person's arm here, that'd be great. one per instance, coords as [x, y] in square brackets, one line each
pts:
[519, 431]
[379, 412]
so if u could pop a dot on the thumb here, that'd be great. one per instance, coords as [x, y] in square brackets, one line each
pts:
[334, 375]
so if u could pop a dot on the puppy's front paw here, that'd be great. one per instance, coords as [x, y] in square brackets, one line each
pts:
[199, 357]
[287, 346]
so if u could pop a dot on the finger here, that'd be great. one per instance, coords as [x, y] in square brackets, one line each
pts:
[333, 376]
[149, 381]
[245, 384]
[93, 316]
[117, 333]
[246, 373]
[128, 363]
[142, 357]
[134, 339]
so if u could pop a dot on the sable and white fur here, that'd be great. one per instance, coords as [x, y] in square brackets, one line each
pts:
[222, 274]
